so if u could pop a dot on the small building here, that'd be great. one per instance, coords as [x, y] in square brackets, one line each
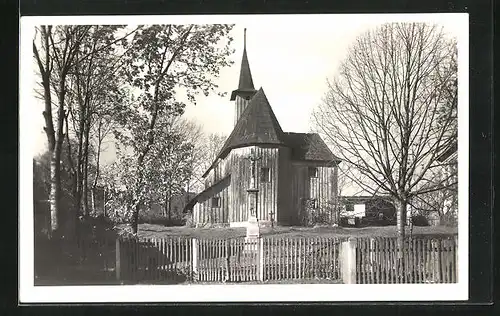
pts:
[368, 210]
[295, 172]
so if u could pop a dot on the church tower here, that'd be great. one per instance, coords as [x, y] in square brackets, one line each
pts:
[246, 89]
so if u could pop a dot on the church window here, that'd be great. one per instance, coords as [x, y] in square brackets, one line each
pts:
[313, 172]
[314, 203]
[265, 174]
[216, 202]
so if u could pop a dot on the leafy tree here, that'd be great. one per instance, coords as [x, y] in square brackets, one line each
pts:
[94, 92]
[163, 63]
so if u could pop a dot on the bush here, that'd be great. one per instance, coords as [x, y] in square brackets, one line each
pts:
[156, 219]
[188, 220]
[420, 220]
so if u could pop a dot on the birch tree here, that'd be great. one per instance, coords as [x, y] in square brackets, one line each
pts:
[389, 111]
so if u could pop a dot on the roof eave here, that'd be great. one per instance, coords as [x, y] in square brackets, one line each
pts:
[242, 92]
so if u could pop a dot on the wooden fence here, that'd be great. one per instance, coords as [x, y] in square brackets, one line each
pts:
[227, 260]
[156, 260]
[285, 258]
[96, 254]
[301, 258]
[232, 260]
[424, 260]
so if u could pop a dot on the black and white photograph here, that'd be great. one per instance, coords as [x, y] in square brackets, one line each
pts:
[244, 158]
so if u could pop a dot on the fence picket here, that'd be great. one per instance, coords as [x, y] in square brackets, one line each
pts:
[199, 276]
[455, 261]
[220, 267]
[206, 261]
[211, 252]
[386, 261]
[423, 256]
[440, 261]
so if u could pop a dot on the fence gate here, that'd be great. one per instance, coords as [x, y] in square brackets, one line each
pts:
[301, 258]
[227, 260]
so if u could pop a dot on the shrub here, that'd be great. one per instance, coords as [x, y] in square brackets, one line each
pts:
[158, 219]
[188, 220]
[420, 220]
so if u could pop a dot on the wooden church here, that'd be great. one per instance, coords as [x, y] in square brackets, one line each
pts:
[293, 174]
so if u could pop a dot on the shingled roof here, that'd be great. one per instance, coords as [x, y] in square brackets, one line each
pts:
[257, 126]
[309, 147]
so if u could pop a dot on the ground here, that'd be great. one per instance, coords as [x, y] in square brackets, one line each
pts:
[158, 231]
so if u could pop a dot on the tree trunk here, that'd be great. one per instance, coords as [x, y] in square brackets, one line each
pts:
[55, 167]
[96, 178]
[85, 190]
[400, 225]
[134, 223]
[55, 192]
[170, 208]
[92, 199]
[165, 208]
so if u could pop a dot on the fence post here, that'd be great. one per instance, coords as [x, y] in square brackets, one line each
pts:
[195, 258]
[118, 260]
[348, 257]
[261, 259]
[455, 249]
[372, 256]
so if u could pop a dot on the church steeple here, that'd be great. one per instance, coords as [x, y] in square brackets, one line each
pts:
[246, 89]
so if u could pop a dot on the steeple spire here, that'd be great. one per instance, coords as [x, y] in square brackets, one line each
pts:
[245, 39]
[245, 85]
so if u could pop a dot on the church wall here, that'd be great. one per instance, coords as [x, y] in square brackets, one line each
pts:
[323, 188]
[208, 213]
[285, 214]
[240, 182]
[241, 104]
[205, 211]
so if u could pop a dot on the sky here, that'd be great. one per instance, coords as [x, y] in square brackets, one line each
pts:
[290, 57]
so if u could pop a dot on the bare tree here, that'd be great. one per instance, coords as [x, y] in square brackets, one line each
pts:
[207, 148]
[389, 112]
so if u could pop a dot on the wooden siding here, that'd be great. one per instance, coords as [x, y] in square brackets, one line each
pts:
[285, 214]
[241, 104]
[221, 170]
[240, 182]
[205, 212]
[323, 188]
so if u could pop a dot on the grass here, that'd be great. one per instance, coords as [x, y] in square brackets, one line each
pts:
[158, 231]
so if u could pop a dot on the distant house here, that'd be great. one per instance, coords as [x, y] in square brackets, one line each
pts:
[293, 171]
[177, 205]
[440, 206]
[367, 209]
